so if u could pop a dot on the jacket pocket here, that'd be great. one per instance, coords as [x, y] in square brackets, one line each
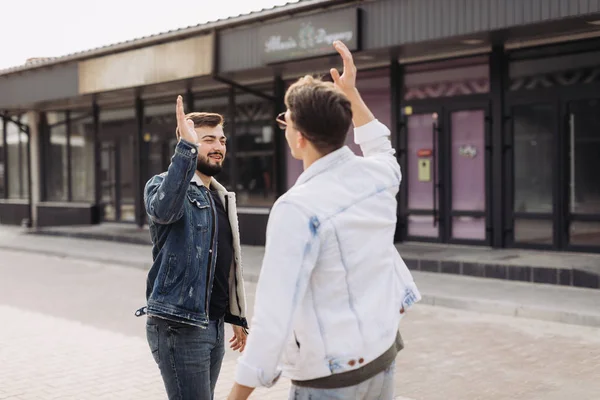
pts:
[200, 215]
[292, 351]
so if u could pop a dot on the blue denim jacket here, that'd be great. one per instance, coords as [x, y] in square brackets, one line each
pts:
[182, 219]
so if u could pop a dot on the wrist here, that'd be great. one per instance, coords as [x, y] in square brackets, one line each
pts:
[188, 141]
[352, 94]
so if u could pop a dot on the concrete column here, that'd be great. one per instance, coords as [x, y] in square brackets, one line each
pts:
[33, 119]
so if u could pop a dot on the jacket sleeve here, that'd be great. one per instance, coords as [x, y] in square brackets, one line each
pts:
[164, 194]
[374, 141]
[291, 250]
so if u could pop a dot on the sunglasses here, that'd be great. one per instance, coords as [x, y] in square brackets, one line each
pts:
[281, 121]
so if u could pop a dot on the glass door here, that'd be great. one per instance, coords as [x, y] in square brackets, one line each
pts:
[466, 173]
[582, 184]
[533, 168]
[109, 158]
[447, 165]
[116, 174]
[421, 175]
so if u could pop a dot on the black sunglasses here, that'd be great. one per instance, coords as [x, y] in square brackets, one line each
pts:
[281, 121]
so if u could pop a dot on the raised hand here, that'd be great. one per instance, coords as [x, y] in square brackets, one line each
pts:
[347, 81]
[185, 126]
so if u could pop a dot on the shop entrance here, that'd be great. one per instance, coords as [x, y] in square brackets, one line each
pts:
[553, 150]
[445, 172]
[116, 178]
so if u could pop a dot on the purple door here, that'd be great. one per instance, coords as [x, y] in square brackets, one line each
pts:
[445, 175]
[420, 177]
[467, 155]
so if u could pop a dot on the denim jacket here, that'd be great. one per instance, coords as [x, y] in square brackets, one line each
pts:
[332, 288]
[183, 228]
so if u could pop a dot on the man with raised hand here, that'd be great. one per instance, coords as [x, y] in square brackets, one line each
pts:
[195, 283]
[332, 288]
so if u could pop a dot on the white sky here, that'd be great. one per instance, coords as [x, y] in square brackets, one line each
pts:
[52, 28]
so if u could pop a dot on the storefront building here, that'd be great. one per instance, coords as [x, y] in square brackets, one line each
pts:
[493, 106]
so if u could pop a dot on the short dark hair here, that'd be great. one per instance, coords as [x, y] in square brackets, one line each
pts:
[202, 119]
[320, 111]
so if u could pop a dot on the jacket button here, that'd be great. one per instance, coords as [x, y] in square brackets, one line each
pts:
[193, 151]
[351, 363]
[361, 360]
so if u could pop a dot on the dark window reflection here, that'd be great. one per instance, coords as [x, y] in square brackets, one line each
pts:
[533, 162]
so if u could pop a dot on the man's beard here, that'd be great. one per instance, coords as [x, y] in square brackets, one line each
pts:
[206, 168]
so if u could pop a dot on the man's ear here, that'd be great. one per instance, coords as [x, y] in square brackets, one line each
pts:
[300, 141]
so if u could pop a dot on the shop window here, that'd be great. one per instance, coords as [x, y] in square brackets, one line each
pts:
[549, 80]
[17, 163]
[82, 159]
[557, 71]
[533, 158]
[159, 137]
[2, 161]
[57, 158]
[255, 154]
[533, 231]
[116, 133]
[250, 150]
[69, 150]
[461, 77]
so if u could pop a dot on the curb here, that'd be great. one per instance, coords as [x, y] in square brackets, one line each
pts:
[135, 264]
[512, 310]
[459, 303]
[95, 236]
[574, 277]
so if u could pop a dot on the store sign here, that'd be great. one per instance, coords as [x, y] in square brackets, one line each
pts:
[468, 151]
[309, 36]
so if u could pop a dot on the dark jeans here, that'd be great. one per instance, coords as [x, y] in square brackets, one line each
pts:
[189, 357]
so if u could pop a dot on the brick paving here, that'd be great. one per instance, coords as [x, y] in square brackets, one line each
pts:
[43, 357]
[67, 332]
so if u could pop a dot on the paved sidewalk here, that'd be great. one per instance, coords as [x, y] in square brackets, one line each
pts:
[546, 302]
[551, 267]
[68, 332]
[43, 357]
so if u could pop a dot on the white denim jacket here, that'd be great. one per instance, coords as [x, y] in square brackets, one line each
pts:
[332, 285]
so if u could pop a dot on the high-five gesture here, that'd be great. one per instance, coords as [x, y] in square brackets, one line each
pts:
[361, 115]
[347, 81]
[185, 126]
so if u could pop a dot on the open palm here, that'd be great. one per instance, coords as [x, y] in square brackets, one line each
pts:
[347, 81]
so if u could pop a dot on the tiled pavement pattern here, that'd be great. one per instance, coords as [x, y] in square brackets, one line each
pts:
[475, 357]
[43, 357]
[67, 332]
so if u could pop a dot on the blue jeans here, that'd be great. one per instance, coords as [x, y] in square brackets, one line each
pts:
[379, 387]
[189, 357]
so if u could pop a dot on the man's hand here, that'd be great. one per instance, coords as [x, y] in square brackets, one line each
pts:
[185, 126]
[238, 341]
[361, 115]
[347, 81]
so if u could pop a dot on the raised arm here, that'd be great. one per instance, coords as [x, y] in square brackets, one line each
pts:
[164, 194]
[369, 133]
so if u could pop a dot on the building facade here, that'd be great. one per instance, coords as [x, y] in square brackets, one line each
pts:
[493, 106]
